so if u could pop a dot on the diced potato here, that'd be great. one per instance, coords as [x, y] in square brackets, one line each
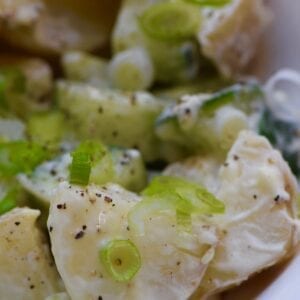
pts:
[229, 36]
[27, 270]
[171, 265]
[19, 12]
[260, 226]
[62, 25]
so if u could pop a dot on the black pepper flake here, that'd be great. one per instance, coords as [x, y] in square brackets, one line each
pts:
[113, 204]
[255, 196]
[53, 172]
[100, 298]
[178, 263]
[133, 99]
[226, 164]
[100, 110]
[17, 223]
[50, 229]
[187, 111]
[32, 287]
[276, 199]
[84, 227]
[82, 194]
[236, 157]
[61, 206]
[115, 133]
[98, 195]
[127, 228]
[79, 235]
[107, 199]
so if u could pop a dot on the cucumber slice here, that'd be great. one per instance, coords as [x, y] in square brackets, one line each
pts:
[204, 123]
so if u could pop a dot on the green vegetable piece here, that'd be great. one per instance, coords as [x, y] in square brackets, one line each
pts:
[184, 221]
[80, 169]
[213, 3]
[20, 157]
[236, 94]
[8, 202]
[202, 200]
[85, 157]
[171, 21]
[282, 134]
[121, 259]
[173, 194]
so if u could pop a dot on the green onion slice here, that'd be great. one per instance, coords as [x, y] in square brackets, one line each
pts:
[8, 202]
[121, 259]
[213, 3]
[170, 21]
[20, 157]
[236, 94]
[85, 157]
[80, 168]
[173, 194]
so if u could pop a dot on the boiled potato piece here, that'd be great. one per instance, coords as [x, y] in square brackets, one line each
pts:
[27, 270]
[64, 25]
[229, 36]
[83, 220]
[19, 12]
[259, 226]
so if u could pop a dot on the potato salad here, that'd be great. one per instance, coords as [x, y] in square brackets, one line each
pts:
[138, 160]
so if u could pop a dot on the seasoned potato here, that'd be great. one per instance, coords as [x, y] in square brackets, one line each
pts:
[259, 226]
[171, 265]
[229, 36]
[60, 26]
[27, 270]
[19, 12]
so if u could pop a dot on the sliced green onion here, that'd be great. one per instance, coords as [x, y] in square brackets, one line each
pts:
[184, 221]
[171, 21]
[121, 259]
[132, 70]
[87, 155]
[201, 199]
[213, 3]
[80, 169]
[20, 157]
[173, 194]
[8, 202]
[237, 93]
